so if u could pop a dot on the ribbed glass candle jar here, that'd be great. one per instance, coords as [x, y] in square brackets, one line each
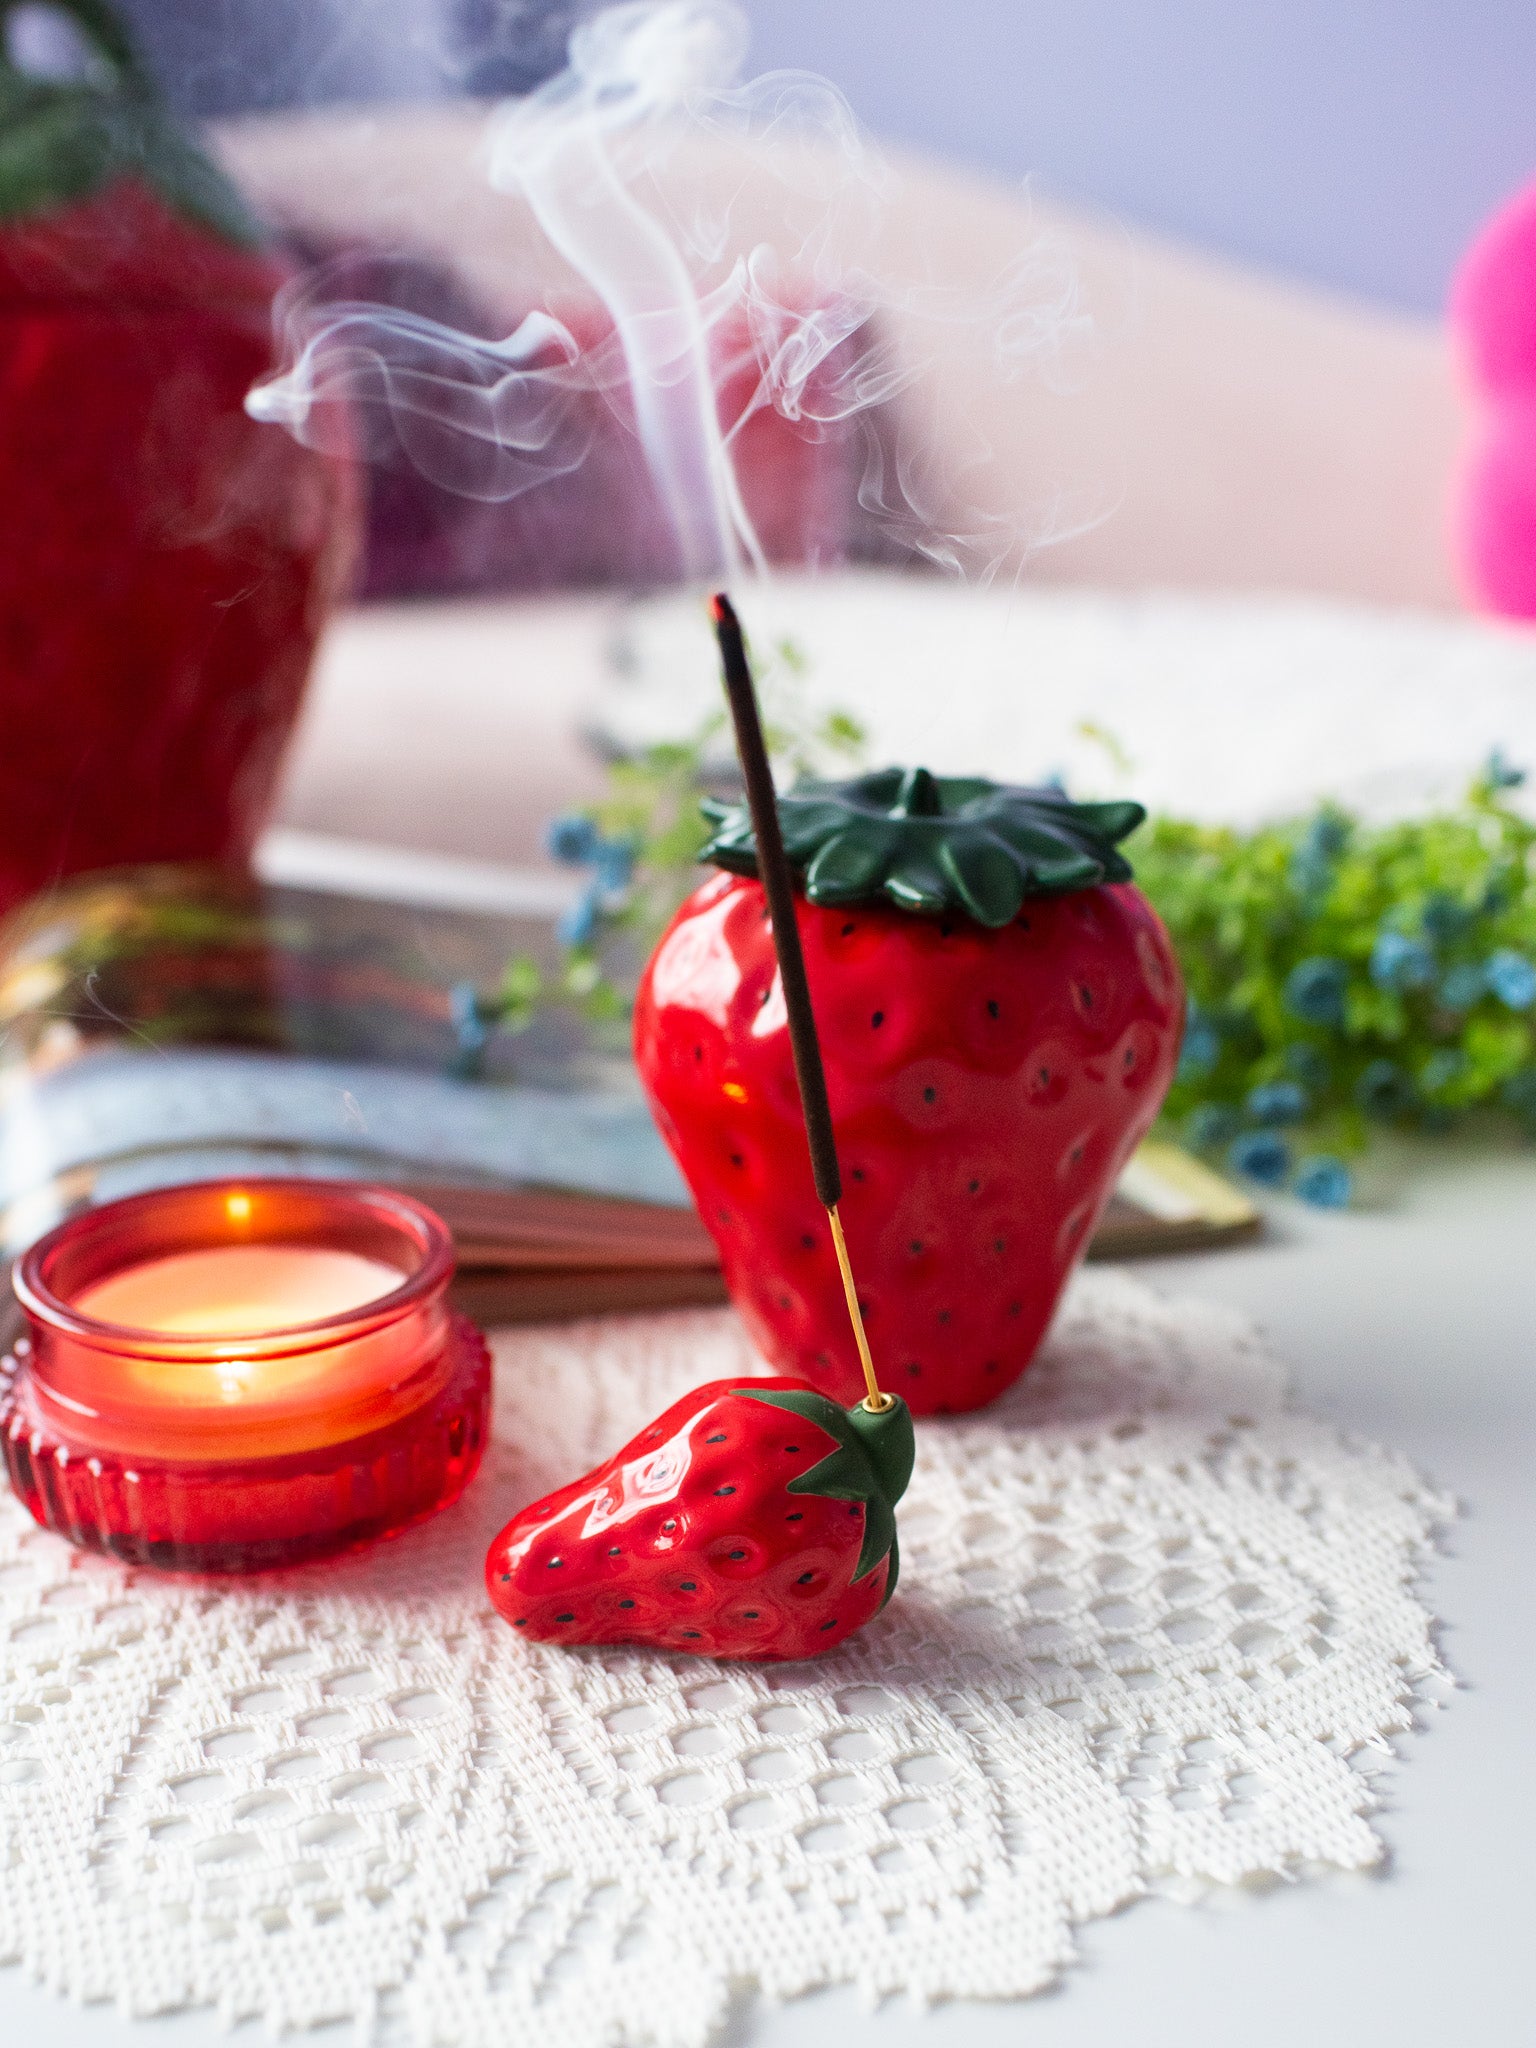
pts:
[226, 1425]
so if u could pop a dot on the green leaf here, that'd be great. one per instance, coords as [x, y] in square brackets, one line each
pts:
[871, 1462]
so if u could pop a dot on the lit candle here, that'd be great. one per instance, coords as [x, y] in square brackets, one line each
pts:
[233, 1376]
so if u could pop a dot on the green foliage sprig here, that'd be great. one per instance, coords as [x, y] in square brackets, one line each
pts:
[1343, 975]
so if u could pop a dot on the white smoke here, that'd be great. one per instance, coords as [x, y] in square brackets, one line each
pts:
[732, 233]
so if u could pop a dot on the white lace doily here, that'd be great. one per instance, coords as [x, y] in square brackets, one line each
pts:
[1151, 1624]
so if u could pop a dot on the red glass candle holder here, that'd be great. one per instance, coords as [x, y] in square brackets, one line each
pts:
[164, 1442]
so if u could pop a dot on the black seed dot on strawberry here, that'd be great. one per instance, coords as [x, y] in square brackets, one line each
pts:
[1085, 995]
[1013, 1308]
[999, 1244]
[698, 1052]
[807, 1240]
[783, 1301]
[975, 1188]
[626, 1603]
[994, 1008]
[749, 1614]
[736, 1556]
[828, 1624]
[930, 1095]
[722, 1215]
[667, 1528]
[719, 1439]
[878, 1019]
[724, 1489]
[762, 999]
[991, 1365]
[691, 1633]
[1023, 924]
[521, 1622]
[943, 1315]
[848, 931]
[916, 1246]
[805, 1578]
[688, 1586]
[555, 1563]
[915, 1371]
[505, 1577]
[737, 1160]
[790, 1449]
[565, 1617]
[794, 1518]
[615, 1551]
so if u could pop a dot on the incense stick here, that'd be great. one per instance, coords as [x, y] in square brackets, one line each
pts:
[778, 886]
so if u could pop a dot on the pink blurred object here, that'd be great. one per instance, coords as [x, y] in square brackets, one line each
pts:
[1493, 317]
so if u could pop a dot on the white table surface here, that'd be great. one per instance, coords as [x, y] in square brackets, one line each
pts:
[1414, 1324]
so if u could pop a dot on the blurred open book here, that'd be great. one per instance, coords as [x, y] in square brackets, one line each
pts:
[163, 1025]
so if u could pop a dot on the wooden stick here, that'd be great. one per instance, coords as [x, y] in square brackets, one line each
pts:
[778, 886]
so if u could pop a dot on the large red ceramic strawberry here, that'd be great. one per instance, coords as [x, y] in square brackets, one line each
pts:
[751, 1520]
[167, 562]
[999, 1013]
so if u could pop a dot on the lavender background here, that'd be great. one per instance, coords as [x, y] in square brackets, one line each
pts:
[1356, 143]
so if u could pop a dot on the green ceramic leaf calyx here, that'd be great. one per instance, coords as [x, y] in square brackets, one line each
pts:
[932, 843]
[872, 1463]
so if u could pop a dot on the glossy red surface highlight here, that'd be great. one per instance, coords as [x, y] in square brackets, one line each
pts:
[238, 1453]
[986, 1088]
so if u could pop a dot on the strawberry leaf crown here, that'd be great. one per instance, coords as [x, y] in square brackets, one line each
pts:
[872, 1463]
[65, 139]
[931, 844]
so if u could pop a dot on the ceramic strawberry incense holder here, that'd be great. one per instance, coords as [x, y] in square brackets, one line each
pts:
[748, 1521]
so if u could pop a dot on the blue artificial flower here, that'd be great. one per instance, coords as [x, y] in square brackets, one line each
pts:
[1316, 852]
[1263, 1156]
[1324, 1182]
[572, 840]
[1400, 962]
[1210, 1125]
[1277, 1102]
[1463, 986]
[1315, 989]
[1445, 919]
[614, 860]
[1512, 978]
[1383, 1089]
[1500, 774]
[579, 924]
[1201, 1048]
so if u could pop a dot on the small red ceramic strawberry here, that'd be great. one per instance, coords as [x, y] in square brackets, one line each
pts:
[999, 1016]
[750, 1520]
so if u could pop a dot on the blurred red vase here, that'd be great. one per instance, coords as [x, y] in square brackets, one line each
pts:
[167, 563]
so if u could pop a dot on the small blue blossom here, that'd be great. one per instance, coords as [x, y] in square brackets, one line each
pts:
[1263, 1156]
[1315, 989]
[1277, 1102]
[1201, 1048]
[1210, 1125]
[614, 860]
[1512, 978]
[1500, 773]
[1318, 849]
[1324, 1182]
[1383, 1089]
[1400, 962]
[1445, 920]
[572, 840]
[1463, 986]
[578, 925]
